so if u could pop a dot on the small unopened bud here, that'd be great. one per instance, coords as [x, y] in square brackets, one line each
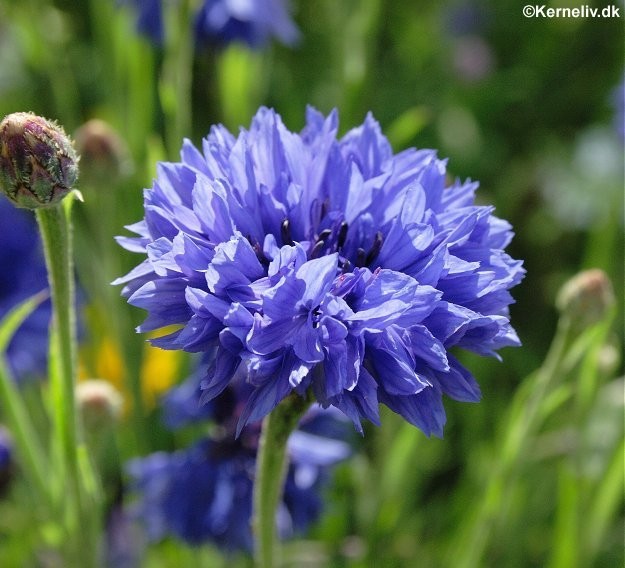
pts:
[38, 163]
[587, 297]
[102, 151]
[6, 459]
[99, 403]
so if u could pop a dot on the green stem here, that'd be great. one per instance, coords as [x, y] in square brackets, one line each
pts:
[57, 241]
[271, 467]
[56, 237]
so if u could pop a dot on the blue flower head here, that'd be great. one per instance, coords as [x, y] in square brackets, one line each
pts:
[23, 276]
[220, 22]
[315, 264]
[205, 493]
[194, 495]
[200, 495]
[253, 22]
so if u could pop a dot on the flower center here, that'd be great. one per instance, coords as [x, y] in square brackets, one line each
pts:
[333, 239]
[316, 317]
[365, 258]
[328, 241]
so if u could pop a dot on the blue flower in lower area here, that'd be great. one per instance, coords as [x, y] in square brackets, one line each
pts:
[220, 22]
[23, 275]
[321, 265]
[194, 496]
[204, 493]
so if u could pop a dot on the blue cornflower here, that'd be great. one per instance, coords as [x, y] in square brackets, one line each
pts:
[220, 22]
[204, 493]
[312, 263]
[253, 22]
[23, 276]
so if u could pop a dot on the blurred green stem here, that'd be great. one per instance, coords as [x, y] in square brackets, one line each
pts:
[240, 84]
[175, 87]
[604, 503]
[525, 418]
[271, 467]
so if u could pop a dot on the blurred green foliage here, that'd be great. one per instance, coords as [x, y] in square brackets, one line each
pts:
[531, 476]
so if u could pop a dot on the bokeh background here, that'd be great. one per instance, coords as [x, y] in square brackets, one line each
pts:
[532, 108]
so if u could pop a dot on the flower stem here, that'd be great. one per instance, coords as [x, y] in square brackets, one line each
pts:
[57, 241]
[271, 467]
[56, 237]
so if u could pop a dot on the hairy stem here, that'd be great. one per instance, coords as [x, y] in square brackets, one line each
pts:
[271, 467]
[57, 240]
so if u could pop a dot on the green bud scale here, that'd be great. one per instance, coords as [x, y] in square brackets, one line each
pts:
[38, 163]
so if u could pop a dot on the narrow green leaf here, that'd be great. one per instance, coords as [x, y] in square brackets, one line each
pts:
[16, 317]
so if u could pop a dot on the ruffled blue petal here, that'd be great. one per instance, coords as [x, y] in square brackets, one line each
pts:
[393, 361]
[165, 302]
[458, 383]
[361, 402]
[423, 410]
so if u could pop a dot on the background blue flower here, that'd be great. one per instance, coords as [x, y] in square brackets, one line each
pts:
[220, 22]
[23, 275]
[204, 493]
[253, 22]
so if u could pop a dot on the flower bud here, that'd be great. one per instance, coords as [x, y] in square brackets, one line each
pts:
[102, 151]
[587, 297]
[38, 164]
[99, 403]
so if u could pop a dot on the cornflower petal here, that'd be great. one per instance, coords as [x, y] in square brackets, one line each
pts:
[394, 363]
[164, 301]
